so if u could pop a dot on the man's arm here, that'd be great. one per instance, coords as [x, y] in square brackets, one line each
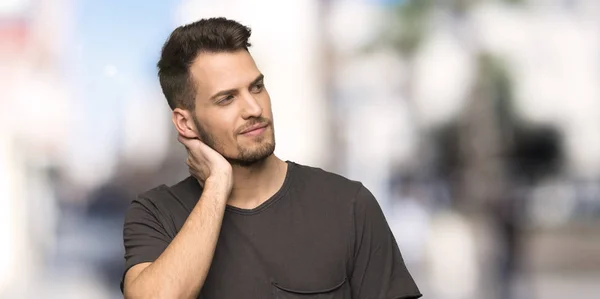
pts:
[378, 267]
[181, 269]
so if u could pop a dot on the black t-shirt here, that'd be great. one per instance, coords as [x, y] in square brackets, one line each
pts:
[320, 236]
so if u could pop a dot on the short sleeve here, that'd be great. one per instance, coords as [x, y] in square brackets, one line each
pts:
[378, 270]
[144, 237]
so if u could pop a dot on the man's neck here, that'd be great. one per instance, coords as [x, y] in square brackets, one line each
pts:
[255, 184]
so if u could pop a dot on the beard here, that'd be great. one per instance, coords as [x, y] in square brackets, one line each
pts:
[246, 157]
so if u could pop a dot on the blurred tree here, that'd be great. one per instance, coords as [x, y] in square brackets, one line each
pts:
[487, 151]
[489, 154]
[409, 22]
[407, 26]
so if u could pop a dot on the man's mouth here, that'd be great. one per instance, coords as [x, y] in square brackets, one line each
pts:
[255, 129]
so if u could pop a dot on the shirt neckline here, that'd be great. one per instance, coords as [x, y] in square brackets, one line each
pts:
[273, 199]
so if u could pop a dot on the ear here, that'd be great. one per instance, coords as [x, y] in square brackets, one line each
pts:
[184, 123]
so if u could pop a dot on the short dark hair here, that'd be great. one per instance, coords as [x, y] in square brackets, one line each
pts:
[213, 35]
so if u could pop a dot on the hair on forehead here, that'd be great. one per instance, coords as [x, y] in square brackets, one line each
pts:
[212, 35]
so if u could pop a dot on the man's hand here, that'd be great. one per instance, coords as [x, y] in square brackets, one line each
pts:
[206, 164]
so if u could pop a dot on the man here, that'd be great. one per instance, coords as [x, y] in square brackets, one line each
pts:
[247, 224]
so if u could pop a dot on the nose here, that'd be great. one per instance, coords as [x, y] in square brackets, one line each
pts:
[251, 107]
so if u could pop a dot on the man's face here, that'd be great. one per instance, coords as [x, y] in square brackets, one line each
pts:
[231, 101]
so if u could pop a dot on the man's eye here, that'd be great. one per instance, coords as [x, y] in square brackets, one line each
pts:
[258, 87]
[226, 100]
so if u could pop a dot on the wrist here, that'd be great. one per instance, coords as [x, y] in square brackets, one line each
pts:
[219, 182]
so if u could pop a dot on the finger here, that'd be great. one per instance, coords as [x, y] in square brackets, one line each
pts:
[182, 139]
[191, 143]
[185, 142]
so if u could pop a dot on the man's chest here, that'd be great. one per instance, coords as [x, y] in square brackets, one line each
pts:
[288, 258]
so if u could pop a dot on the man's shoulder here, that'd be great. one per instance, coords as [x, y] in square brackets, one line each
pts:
[327, 180]
[164, 208]
[181, 193]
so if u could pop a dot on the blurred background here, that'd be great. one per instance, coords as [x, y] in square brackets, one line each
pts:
[476, 124]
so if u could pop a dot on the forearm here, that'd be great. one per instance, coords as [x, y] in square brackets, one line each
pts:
[181, 269]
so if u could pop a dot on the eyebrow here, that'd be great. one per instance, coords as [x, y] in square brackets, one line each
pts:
[258, 79]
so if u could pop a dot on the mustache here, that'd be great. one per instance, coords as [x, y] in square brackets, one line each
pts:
[253, 122]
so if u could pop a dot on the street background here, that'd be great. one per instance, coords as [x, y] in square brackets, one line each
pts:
[475, 123]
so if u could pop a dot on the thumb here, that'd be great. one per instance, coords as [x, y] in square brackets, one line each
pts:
[187, 142]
